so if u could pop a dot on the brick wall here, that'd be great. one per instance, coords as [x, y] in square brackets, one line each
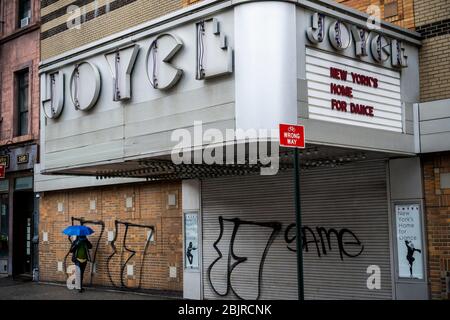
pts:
[19, 49]
[399, 12]
[433, 22]
[17, 54]
[437, 203]
[429, 11]
[149, 207]
[189, 2]
[434, 68]
[10, 16]
[98, 19]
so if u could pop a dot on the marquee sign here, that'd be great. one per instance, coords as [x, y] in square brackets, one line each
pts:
[214, 58]
[343, 86]
[352, 92]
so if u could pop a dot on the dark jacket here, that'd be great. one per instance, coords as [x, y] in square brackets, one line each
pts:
[76, 244]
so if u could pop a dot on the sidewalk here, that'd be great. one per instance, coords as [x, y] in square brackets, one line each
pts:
[26, 290]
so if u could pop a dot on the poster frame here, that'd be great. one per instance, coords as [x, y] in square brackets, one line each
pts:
[424, 247]
[198, 250]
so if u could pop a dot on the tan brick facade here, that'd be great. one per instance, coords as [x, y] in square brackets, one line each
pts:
[437, 202]
[119, 18]
[434, 69]
[433, 22]
[147, 206]
[429, 11]
[402, 10]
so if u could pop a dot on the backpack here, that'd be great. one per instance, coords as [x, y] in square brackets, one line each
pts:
[82, 251]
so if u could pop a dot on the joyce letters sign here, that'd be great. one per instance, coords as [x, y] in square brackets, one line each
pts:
[214, 58]
[341, 36]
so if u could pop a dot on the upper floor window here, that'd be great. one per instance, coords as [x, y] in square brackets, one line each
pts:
[24, 13]
[22, 108]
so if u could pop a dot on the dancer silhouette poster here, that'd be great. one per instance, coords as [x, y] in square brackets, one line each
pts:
[191, 240]
[409, 241]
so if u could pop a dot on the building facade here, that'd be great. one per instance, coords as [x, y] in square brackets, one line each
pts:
[432, 22]
[138, 223]
[112, 103]
[430, 19]
[137, 239]
[19, 134]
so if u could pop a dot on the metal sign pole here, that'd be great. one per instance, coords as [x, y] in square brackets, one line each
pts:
[298, 229]
[293, 136]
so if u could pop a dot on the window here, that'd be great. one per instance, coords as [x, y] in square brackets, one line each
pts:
[24, 13]
[22, 102]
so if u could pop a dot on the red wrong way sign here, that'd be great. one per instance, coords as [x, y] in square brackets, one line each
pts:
[292, 136]
[2, 171]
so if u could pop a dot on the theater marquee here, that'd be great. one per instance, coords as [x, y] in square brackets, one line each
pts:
[352, 92]
[353, 74]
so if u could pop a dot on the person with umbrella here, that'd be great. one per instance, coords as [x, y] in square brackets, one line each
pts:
[80, 251]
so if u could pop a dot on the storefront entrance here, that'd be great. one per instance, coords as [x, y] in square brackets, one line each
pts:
[23, 225]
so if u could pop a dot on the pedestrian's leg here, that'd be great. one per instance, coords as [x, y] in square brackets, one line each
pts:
[82, 268]
[77, 277]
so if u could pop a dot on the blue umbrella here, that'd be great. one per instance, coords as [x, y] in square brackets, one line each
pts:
[78, 231]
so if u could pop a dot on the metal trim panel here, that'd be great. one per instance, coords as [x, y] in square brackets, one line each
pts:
[435, 142]
[434, 110]
[330, 133]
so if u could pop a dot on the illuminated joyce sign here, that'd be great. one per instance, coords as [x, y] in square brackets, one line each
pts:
[340, 36]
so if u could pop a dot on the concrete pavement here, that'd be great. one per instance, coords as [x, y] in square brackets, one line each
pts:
[26, 290]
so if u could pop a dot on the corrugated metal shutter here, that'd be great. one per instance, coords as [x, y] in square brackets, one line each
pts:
[353, 196]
